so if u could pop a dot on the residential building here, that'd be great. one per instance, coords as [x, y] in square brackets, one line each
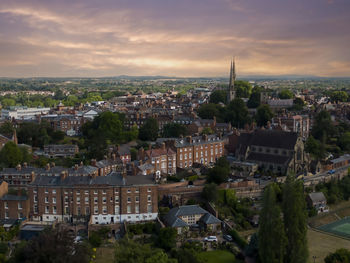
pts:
[318, 201]
[61, 150]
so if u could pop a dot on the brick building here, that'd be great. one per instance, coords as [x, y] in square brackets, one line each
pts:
[101, 200]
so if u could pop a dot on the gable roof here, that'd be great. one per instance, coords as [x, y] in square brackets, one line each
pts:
[317, 197]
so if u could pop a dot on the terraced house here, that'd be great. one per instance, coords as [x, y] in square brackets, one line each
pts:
[96, 199]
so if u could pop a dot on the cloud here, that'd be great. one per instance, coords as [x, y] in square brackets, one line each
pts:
[118, 37]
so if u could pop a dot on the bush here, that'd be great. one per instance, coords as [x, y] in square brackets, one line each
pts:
[95, 239]
[241, 242]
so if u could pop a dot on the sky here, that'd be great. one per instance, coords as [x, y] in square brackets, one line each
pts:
[183, 38]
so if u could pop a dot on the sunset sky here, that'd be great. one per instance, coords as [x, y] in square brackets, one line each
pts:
[98, 38]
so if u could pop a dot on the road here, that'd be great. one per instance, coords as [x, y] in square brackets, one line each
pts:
[322, 176]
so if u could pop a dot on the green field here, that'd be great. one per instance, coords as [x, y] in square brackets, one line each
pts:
[217, 256]
[340, 227]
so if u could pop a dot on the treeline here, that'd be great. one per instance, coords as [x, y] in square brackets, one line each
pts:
[282, 224]
[335, 190]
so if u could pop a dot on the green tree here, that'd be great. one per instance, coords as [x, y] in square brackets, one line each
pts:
[56, 246]
[6, 102]
[149, 130]
[298, 104]
[315, 148]
[208, 111]
[344, 141]
[218, 175]
[7, 129]
[11, 155]
[286, 94]
[207, 130]
[323, 127]
[272, 238]
[341, 255]
[254, 100]
[243, 89]
[295, 220]
[263, 115]
[210, 192]
[174, 130]
[166, 238]
[339, 96]
[237, 113]
[218, 96]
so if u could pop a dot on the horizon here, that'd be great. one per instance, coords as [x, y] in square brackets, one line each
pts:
[186, 39]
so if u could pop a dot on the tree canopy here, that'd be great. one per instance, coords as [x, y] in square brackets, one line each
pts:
[12, 155]
[149, 130]
[263, 114]
[218, 96]
[286, 94]
[243, 88]
[174, 130]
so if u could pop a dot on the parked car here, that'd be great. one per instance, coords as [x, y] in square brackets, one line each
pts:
[227, 238]
[211, 239]
[331, 171]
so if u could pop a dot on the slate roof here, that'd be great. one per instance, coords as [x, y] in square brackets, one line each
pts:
[112, 179]
[172, 217]
[317, 197]
[14, 198]
[268, 158]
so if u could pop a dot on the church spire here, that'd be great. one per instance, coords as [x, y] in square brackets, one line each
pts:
[231, 88]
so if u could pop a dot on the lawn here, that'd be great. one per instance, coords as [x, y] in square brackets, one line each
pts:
[320, 245]
[105, 255]
[217, 256]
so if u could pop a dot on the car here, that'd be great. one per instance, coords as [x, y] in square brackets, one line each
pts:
[331, 171]
[211, 239]
[228, 238]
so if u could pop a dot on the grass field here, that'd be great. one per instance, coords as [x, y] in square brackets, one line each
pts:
[105, 255]
[320, 245]
[217, 256]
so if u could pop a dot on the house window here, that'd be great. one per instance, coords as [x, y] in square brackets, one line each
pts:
[47, 209]
[35, 198]
[104, 192]
[136, 199]
[149, 190]
[137, 209]
[87, 210]
[46, 191]
[54, 200]
[95, 200]
[116, 209]
[86, 192]
[104, 209]
[46, 199]
[148, 198]
[117, 198]
[6, 205]
[86, 200]
[95, 210]
[149, 208]
[129, 191]
[6, 214]
[129, 199]
[19, 205]
[128, 209]
[104, 200]
[54, 191]
[54, 210]
[35, 209]
[78, 200]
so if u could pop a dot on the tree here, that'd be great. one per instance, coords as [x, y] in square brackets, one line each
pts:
[208, 111]
[166, 238]
[218, 96]
[174, 130]
[243, 88]
[7, 129]
[341, 255]
[6, 102]
[11, 154]
[149, 130]
[263, 115]
[210, 192]
[272, 239]
[315, 148]
[237, 113]
[218, 175]
[323, 127]
[344, 141]
[295, 220]
[286, 94]
[207, 130]
[254, 100]
[56, 246]
[339, 96]
[298, 104]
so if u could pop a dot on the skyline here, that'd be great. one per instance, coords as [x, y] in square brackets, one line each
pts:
[168, 38]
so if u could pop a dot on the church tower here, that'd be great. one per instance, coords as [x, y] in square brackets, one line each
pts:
[231, 88]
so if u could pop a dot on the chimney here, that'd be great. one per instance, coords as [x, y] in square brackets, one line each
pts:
[140, 162]
[19, 167]
[189, 139]
[205, 137]
[163, 145]
[93, 162]
[53, 164]
[32, 176]
[47, 167]
[114, 156]
[82, 164]
[76, 167]
[24, 165]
